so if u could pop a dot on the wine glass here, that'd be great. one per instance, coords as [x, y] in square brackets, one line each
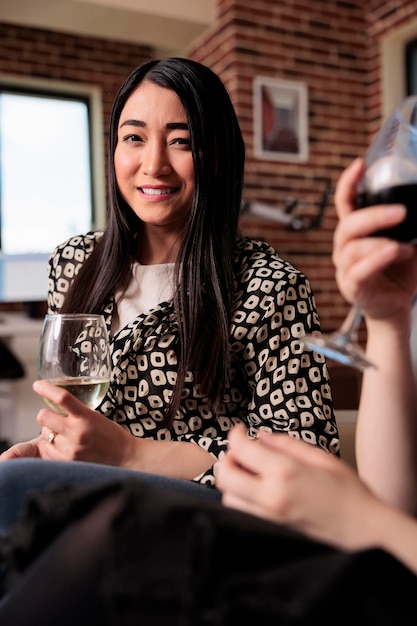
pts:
[390, 177]
[74, 353]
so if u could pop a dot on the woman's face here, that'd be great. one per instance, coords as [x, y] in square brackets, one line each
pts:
[153, 160]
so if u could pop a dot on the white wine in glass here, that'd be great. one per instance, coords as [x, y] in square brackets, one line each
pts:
[74, 353]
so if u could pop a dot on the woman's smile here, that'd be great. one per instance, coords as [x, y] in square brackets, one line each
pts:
[157, 193]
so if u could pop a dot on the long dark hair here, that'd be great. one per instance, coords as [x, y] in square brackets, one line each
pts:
[204, 267]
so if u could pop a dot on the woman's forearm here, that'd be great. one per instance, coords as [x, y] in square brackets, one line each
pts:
[401, 543]
[177, 459]
[386, 436]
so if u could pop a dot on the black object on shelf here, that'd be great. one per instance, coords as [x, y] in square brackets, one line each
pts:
[10, 366]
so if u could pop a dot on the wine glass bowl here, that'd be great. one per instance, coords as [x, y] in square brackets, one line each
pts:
[389, 177]
[74, 354]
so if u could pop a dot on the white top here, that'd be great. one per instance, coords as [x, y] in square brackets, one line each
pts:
[150, 285]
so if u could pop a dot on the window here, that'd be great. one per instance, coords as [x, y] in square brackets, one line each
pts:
[51, 177]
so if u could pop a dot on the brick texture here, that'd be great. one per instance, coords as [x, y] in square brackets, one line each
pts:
[330, 45]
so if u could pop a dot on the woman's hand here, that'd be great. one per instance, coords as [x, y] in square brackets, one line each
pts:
[379, 273]
[86, 435]
[82, 434]
[294, 483]
[23, 449]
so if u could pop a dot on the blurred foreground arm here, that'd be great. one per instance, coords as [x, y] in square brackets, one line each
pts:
[381, 275]
[291, 482]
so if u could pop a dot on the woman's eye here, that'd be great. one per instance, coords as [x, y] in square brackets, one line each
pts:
[132, 139]
[181, 141]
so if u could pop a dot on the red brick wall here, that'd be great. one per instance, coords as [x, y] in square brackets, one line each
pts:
[320, 43]
[332, 46]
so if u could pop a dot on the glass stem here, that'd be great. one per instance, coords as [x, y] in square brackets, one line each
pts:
[351, 324]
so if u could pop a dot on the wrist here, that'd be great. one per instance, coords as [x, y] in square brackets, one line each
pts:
[399, 323]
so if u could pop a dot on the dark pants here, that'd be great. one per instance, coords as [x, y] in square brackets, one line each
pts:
[19, 478]
[129, 555]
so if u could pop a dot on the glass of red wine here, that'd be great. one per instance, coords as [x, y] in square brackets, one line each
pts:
[390, 177]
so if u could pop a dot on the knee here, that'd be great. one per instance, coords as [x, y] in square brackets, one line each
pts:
[18, 477]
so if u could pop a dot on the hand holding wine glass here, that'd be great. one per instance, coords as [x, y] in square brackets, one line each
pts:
[74, 354]
[390, 177]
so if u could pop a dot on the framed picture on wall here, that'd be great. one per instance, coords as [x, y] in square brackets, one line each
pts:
[280, 119]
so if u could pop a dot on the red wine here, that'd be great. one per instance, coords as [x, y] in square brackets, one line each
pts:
[401, 194]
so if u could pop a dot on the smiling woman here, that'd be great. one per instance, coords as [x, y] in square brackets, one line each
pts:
[205, 324]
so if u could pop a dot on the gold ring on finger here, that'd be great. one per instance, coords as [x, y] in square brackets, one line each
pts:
[51, 436]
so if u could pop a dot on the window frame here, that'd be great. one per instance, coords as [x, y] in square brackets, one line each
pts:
[393, 56]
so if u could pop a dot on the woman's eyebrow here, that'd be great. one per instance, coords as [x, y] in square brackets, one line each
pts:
[133, 123]
[169, 126]
[177, 125]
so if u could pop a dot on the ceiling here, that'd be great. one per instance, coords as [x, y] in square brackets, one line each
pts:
[170, 26]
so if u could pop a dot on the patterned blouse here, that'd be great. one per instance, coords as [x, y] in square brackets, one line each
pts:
[275, 383]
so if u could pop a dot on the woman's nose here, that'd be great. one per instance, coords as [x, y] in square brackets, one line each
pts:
[155, 160]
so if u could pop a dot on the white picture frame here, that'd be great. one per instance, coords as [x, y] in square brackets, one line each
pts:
[280, 109]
